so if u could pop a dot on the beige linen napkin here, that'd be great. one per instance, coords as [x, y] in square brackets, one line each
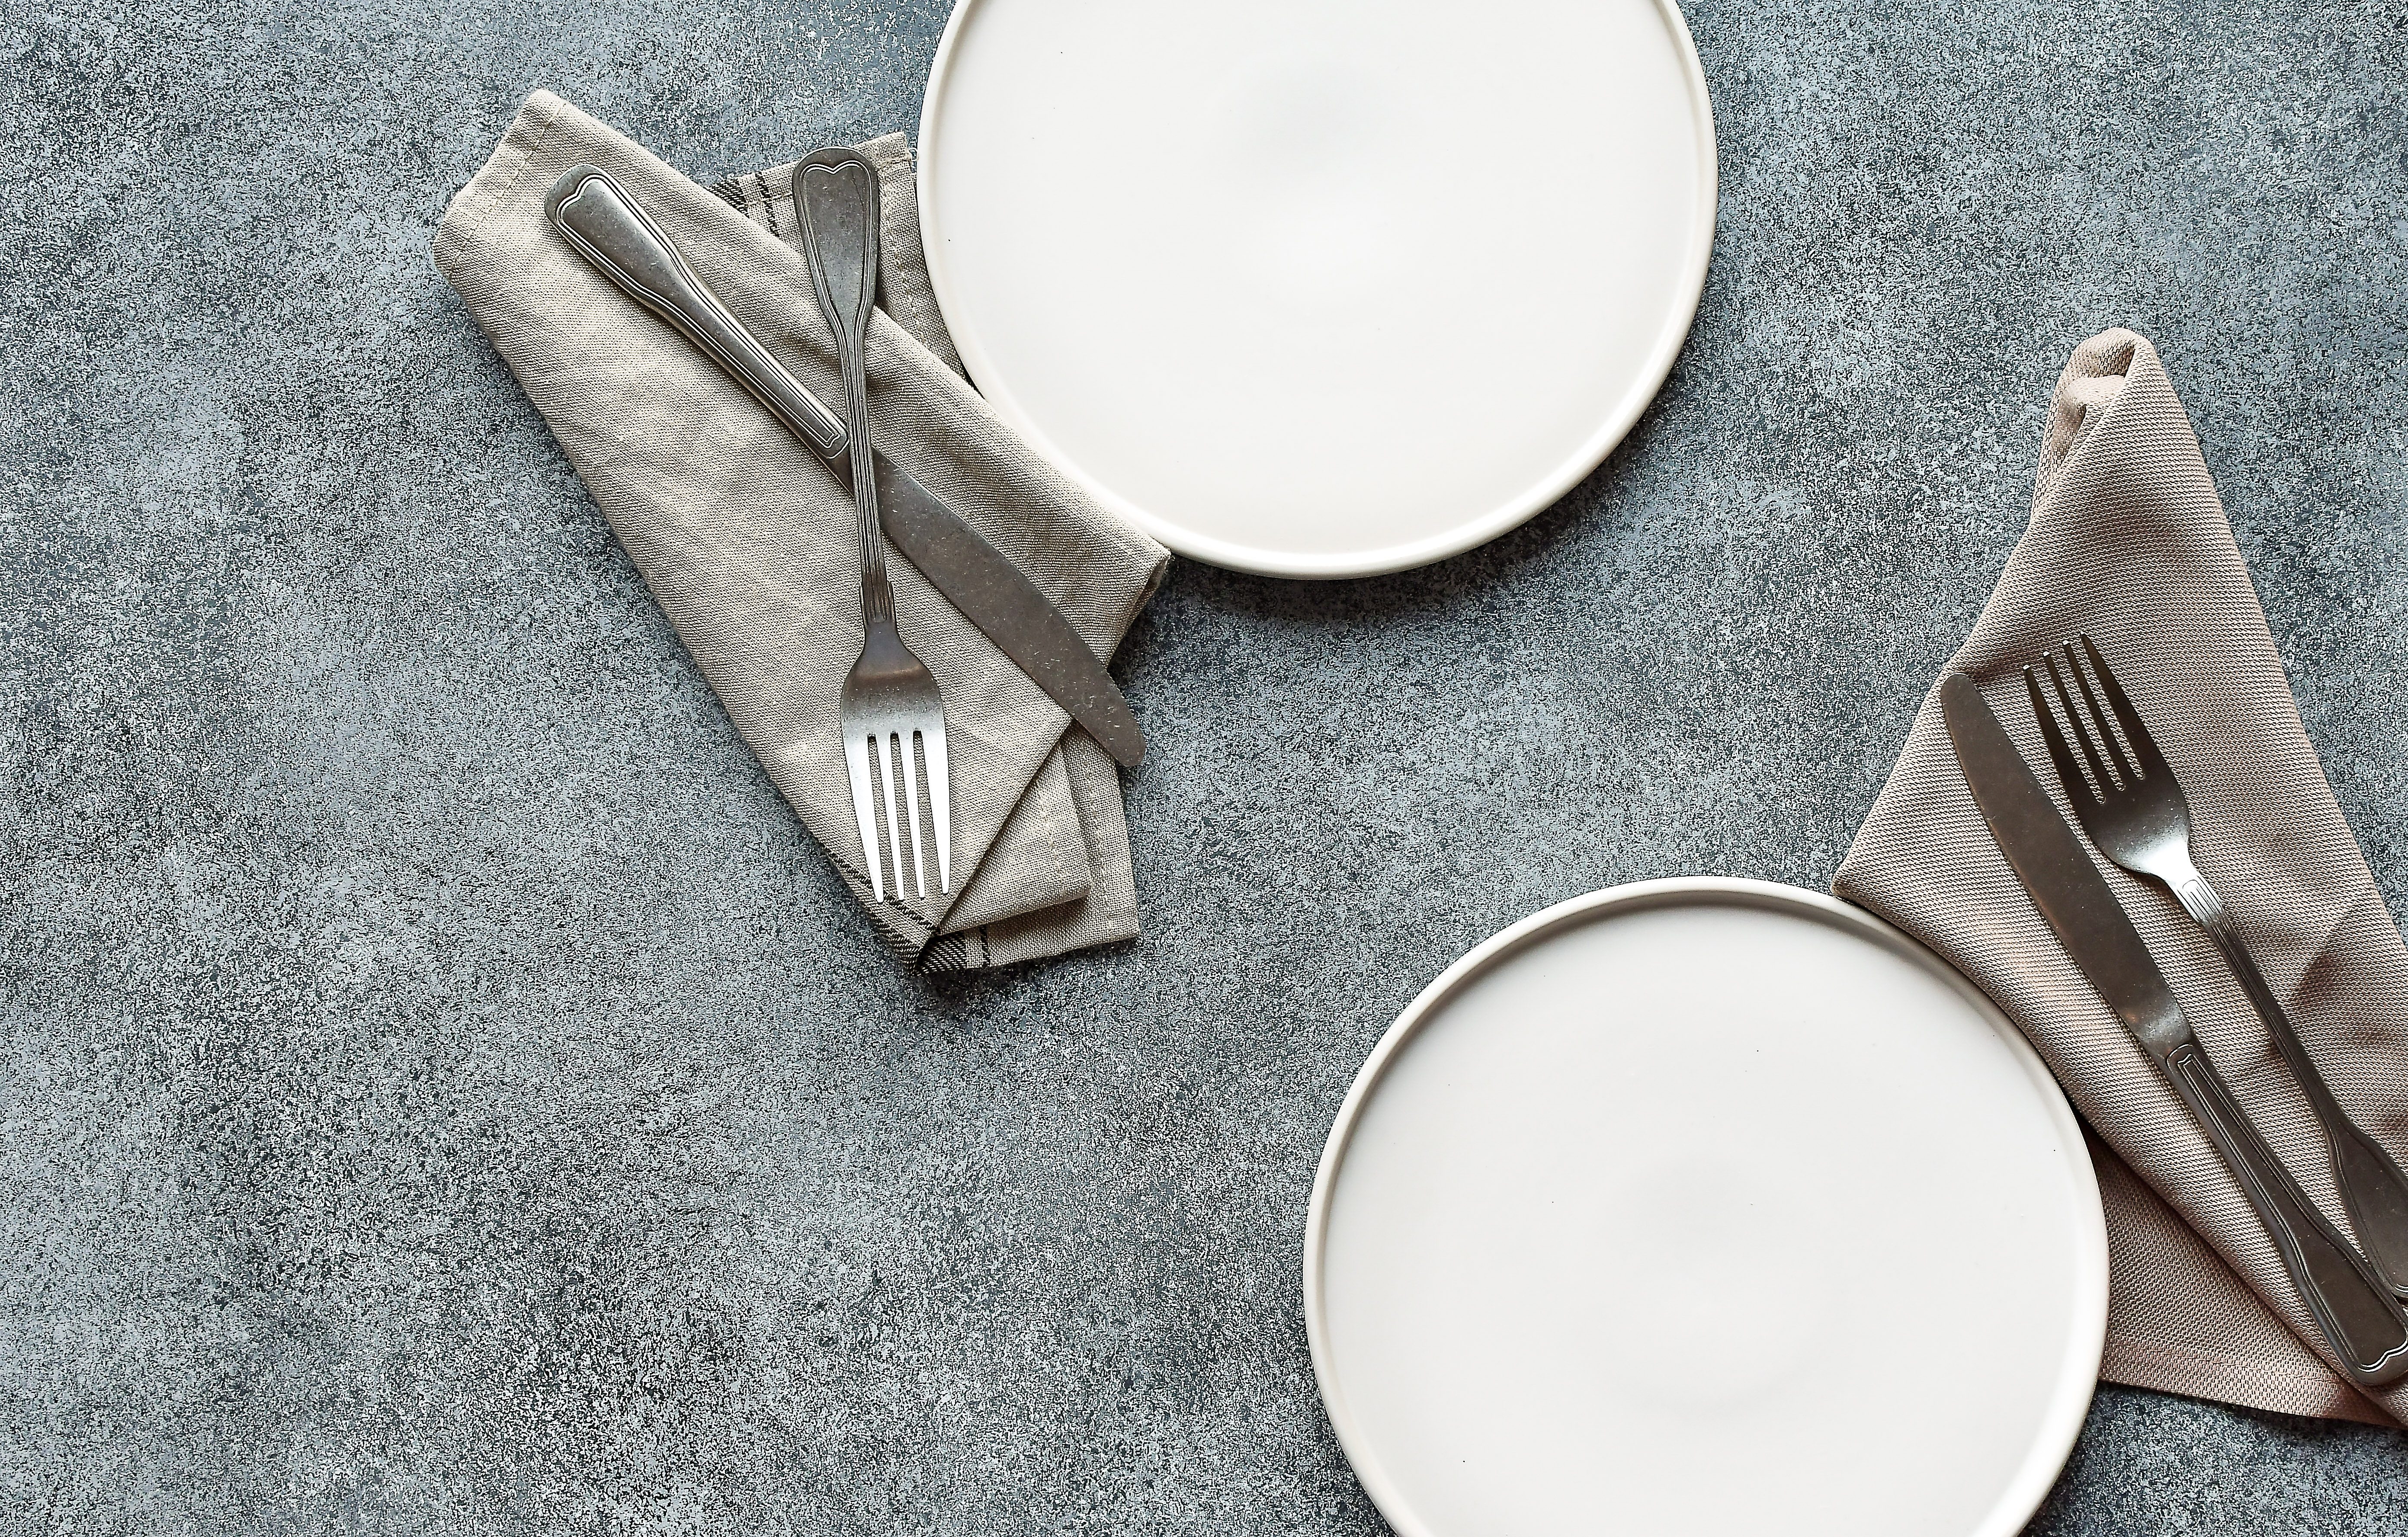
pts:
[2128, 543]
[748, 541]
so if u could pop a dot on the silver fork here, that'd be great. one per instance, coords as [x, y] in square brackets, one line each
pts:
[890, 701]
[2134, 810]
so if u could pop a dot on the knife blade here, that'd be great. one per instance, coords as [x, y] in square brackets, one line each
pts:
[597, 218]
[2365, 1328]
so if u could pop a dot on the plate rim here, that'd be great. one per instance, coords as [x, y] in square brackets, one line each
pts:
[2058, 1427]
[1256, 561]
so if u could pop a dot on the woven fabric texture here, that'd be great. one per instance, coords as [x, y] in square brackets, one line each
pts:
[750, 543]
[2128, 544]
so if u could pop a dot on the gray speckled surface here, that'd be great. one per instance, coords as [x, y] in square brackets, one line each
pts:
[444, 1092]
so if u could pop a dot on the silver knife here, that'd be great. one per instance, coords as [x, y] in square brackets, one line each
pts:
[2365, 1327]
[608, 229]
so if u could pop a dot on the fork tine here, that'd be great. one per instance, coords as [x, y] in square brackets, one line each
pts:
[865, 814]
[2125, 773]
[2080, 727]
[2069, 773]
[2136, 731]
[911, 815]
[894, 831]
[940, 803]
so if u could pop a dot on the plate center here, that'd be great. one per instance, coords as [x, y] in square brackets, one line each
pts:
[1708, 1269]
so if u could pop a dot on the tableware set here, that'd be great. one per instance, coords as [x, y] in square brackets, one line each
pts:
[2355, 1309]
[1624, 1184]
[1621, 1193]
[890, 695]
[2133, 805]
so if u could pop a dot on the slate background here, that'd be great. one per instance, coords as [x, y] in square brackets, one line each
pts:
[444, 1092]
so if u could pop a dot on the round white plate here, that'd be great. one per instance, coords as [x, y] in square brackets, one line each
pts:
[1318, 288]
[1705, 1207]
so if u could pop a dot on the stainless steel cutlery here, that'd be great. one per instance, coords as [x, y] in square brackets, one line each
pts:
[604, 225]
[2132, 807]
[2355, 1308]
[890, 706]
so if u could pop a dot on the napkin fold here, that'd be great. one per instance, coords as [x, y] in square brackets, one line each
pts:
[750, 543]
[2130, 544]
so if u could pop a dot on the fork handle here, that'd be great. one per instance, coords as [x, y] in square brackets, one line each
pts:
[2361, 1321]
[2372, 1185]
[835, 202]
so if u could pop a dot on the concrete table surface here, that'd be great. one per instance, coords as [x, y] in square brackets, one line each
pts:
[444, 1090]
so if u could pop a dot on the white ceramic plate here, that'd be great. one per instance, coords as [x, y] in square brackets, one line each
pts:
[1705, 1207]
[1319, 288]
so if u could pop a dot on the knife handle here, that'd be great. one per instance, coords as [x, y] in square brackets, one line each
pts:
[609, 231]
[2363, 1324]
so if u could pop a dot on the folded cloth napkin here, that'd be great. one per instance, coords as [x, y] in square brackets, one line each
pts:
[2128, 544]
[750, 543]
